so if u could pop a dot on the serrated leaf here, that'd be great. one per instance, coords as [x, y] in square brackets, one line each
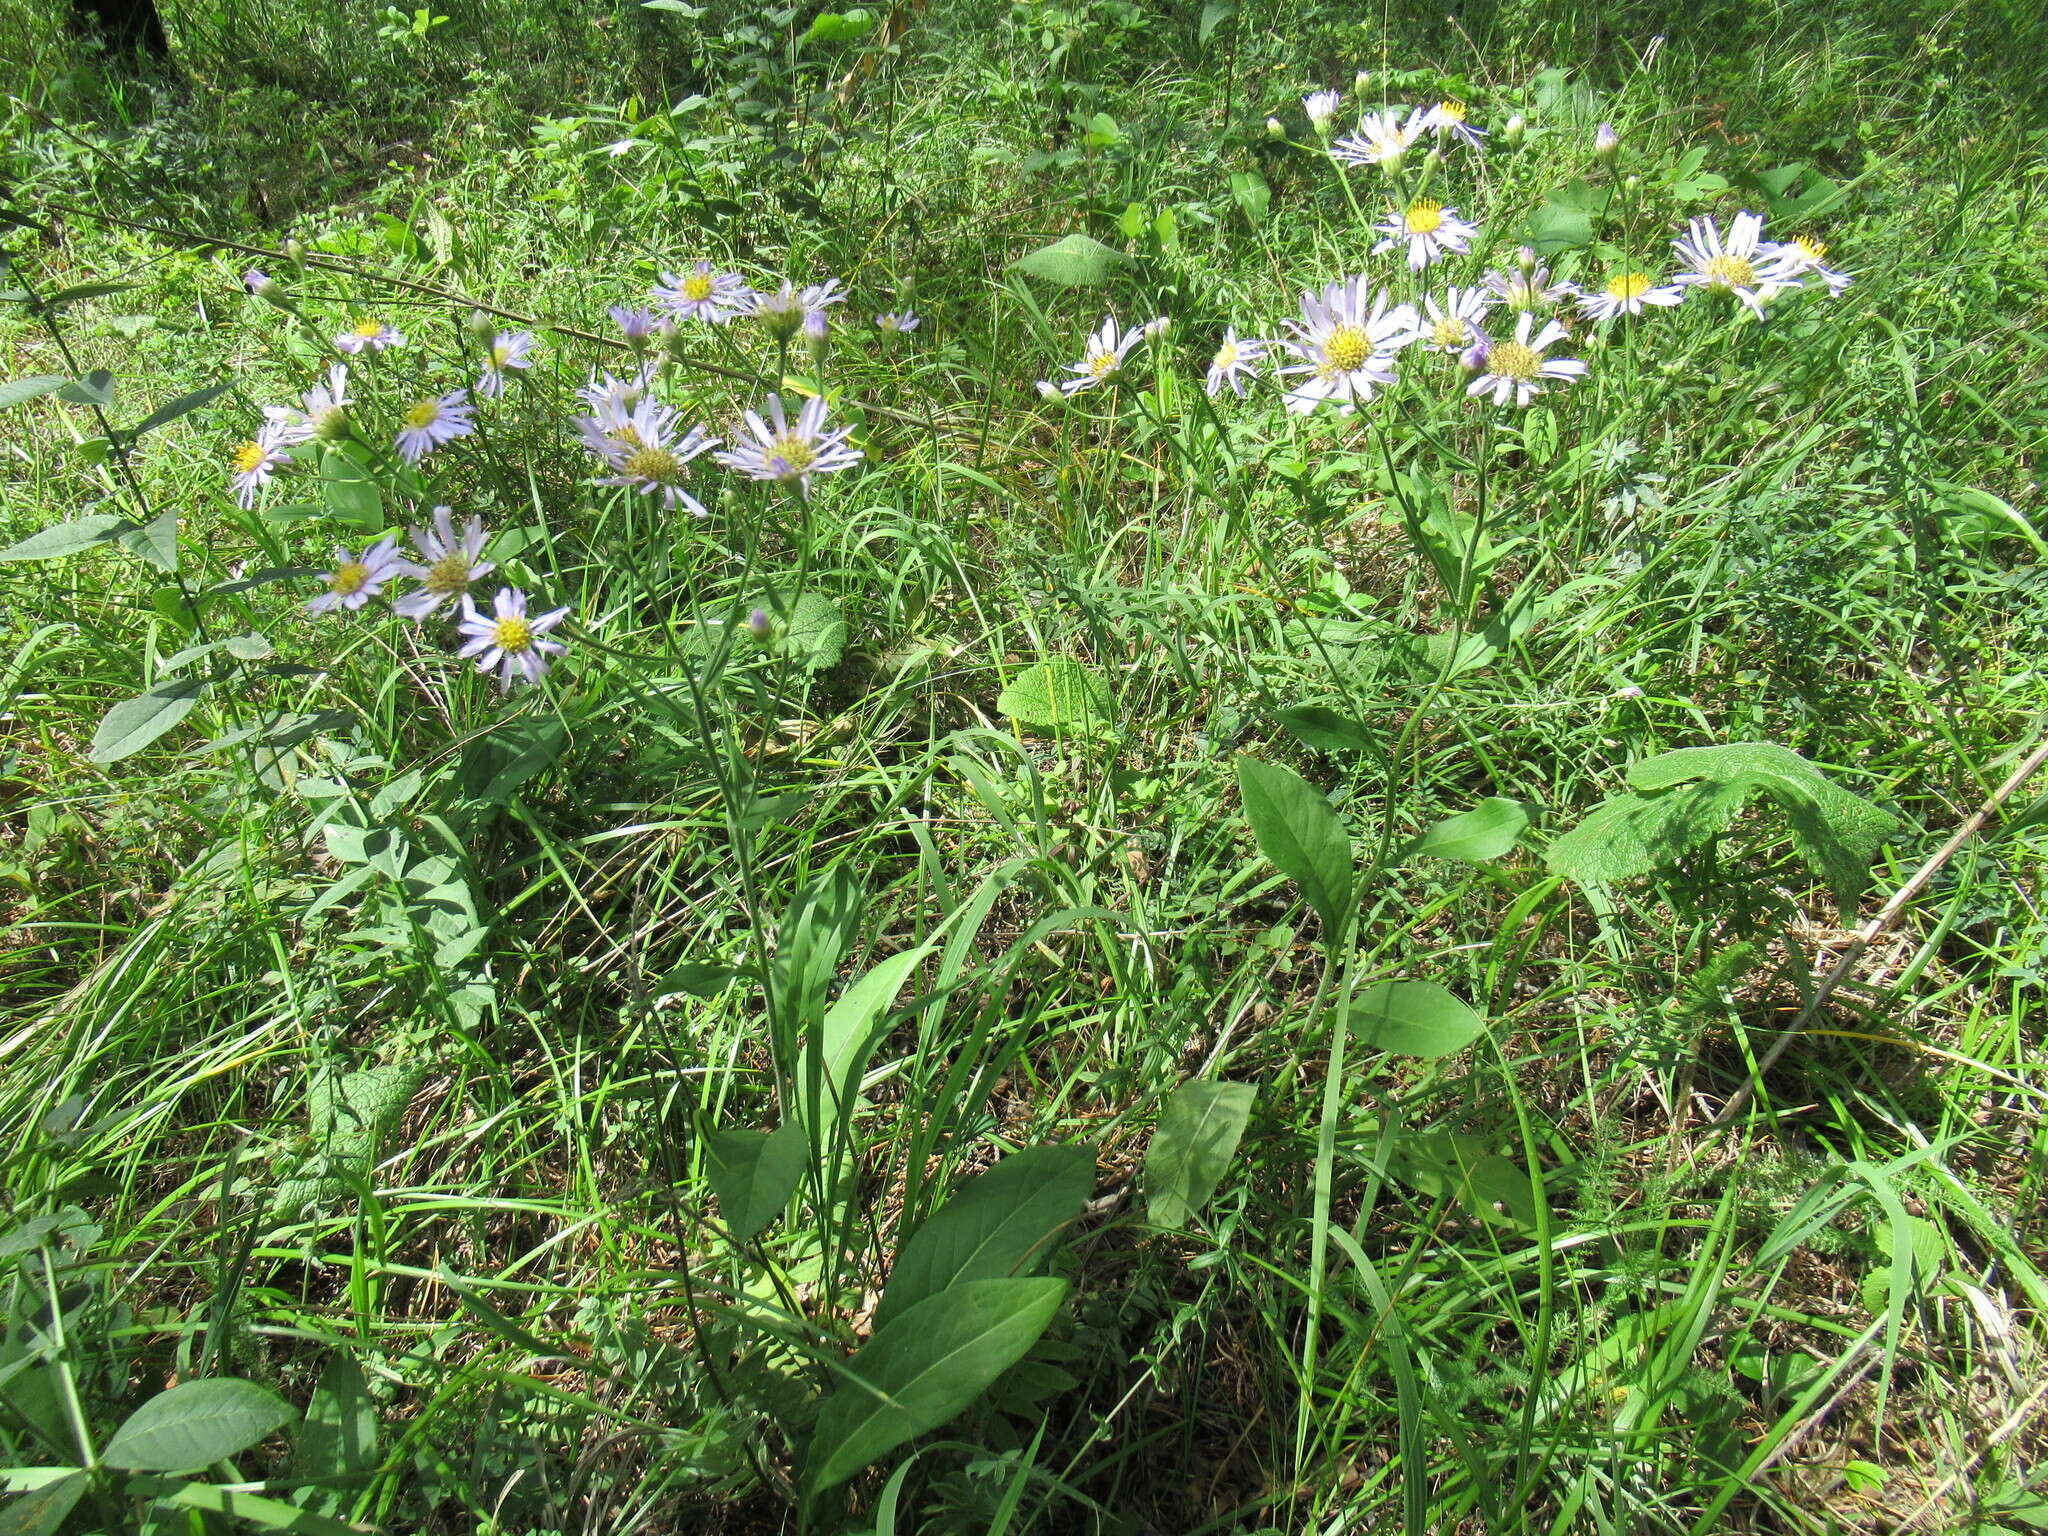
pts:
[754, 1173]
[134, 723]
[1191, 1151]
[1057, 694]
[817, 632]
[999, 1223]
[1630, 835]
[923, 1369]
[1078, 261]
[19, 391]
[194, 1425]
[1485, 832]
[70, 538]
[1302, 834]
[1413, 1018]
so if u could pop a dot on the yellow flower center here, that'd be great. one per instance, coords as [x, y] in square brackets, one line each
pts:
[1448, 332]
[349, 577]
[249, 457]
[794, 451]
[512, 635]
[1424, 218]
[1100, 363]
[1347, 349]
[1226, 356]
[448, 574]
[1630, 285]
[369, 330]
[1512, 360]
[423, 414]
[697, 287]
[1814, 249]
[501, 354]
[657, 465]
[1454, 110]
[1725, 271]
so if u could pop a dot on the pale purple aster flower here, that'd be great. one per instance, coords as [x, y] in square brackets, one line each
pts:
[252, 464]
[1626, 293]
[431, 423]
[1743, 264]
[1321, 106]
[648, 457]
[369, 334]
[1515, 370]
[612, 399]
[509, 639]
[1104, 358]
[817, 336]
[260, 283]
[791, 454]
[1235, 364]
[1447, 120]
[324, 415]
[636, 325]
[1606, 142]
[1451, 324]
[1383, 139]
[703, 294]
[510, 349]
[1429, 230]
[1530, 286]
[895, 322]
[1345, 343]
[448, 562]
[1803, 254]
[356, 579]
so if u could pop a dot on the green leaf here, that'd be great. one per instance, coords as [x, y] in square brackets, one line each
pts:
[339, 1436]
[847, 1033]
[134, 723]
[1058, 694]
[184, 404]
[1191, 1151]
[696, 978]
[817, 632]
[833, 27]
[41, 1511]
[60, 539]
[1075, 262]
[1253, 195]
[84, 291]
[265, 1513]
[194, 1425]
[754, 1173]
[19, 391]
[93, 388]
[1324, 729]
[495, 766]
[1304, 837]
[350, 492]
[1565, 218]
[999, 1223]
[1413, 1018]
[1214, 14]
[924, 1368]
[1444, 1163]
[1485, 832]
[1633, 835]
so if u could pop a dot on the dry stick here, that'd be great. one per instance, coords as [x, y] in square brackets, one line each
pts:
[1871, 931]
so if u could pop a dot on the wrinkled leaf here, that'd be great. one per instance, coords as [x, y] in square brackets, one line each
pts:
[1078, 261]
[1058, 694]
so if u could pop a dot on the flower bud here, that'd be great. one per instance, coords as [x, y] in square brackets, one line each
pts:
[1473, 358]
[1047, 390]
[1432, 161]
[760, 625]
[295, 253]
[1606, 143]
[1514, 131]
[482, 326]
[817, 337]
[1157, 328]
[263, 285]
[1526, 259]
[1274, 129]
[1362, 81]
[1321, 107]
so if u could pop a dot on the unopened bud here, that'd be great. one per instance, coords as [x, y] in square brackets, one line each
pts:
[1514, 131]
[262, 285]
[1047, 390]
[1473, 358]
[1275, 129]
[1606, 143]
[482, 326]
[1526, 259]
[817, 337]
[1362, 81]
[1156, 329]
[1432, 160]
[760, 625]
[295, 253]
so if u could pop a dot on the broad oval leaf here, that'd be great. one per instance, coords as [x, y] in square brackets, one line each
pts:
[70, 538]
[834, 27]
[1413, 1018]
[1300, 832]
[1078, 261]
[1057, 694]
[754, 1173]
[350, 492]
[194, 1425]
[1324, 729]
[95, 387]
[1486, 831]
[16, 391]
[1191, 1151]
[134, 723]
[924, 1368]
[1001, 1222]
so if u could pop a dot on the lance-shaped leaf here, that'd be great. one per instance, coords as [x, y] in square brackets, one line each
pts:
[1300, 832]
[134, 723]
[1191, 1151]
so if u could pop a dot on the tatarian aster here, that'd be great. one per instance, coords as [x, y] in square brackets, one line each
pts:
[898, 323]
[1447, 120]
[1803, 254]
[791, 455]
[431, 423]
[252, 464]
[369, 334]
[510, 349]
[1742, 265]
[1625, 294]
[324, 415]
[1515, 370]
[1104, 358]
[447, 564]
[1345, 344]
[648, 456]
[509, 639]
[1453, 324]
[1530, 286]
[1321, 106]
[614, 431]
[1429, 230]
[356, 579]
[1235, 363]
[1383, 138]
[704, 294]
[635, 324]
